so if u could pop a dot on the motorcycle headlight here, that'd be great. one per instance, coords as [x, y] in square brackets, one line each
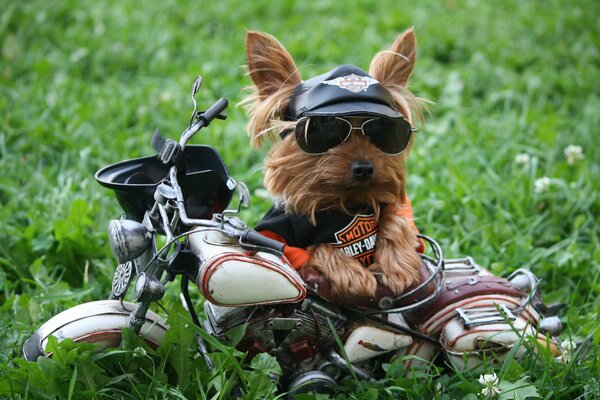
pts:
[128, 239]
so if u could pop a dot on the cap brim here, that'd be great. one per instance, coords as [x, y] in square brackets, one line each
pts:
[355, 108]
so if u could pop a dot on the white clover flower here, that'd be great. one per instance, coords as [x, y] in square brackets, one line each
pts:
[139, 352]
[542, 184]
[490, 381]
[567, 349]
[522, 159]
[573, 153]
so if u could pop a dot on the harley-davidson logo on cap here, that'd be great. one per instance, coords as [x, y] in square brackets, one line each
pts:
[353, 83]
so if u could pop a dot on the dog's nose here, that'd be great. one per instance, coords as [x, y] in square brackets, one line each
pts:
[362, 170]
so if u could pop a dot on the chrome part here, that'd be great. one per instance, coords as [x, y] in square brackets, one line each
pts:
[231, 183]
[166, 224]
[32, 348]
[195, 88]
[310, 325]
[311, 381]
[484, 347]
[219, 238]
[290, 333]
[244, 194]
[284, 324]
[148, 288]
[531, 298]
[243, 198]
[462, 267]
[524, 280]
[330, 369]
[121, 279]
[326, 310]
[128, 239]
[194, 118]
[485, 315]
[552, 309]
[237, 223]
[436, 270]
[164, 193]
[385, 302]
[340, 362]
[220, 319]
[551, 325]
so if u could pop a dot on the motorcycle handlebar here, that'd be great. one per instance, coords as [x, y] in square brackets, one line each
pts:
[214, 111]
[204, 120]
[255, 238]
[243, 233]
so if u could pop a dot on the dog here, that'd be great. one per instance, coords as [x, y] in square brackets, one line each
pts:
[336, 168]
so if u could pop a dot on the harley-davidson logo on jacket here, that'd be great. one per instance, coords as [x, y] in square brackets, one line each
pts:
[355, 235]
[358, 239]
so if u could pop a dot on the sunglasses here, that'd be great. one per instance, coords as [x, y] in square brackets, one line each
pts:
[317, 134]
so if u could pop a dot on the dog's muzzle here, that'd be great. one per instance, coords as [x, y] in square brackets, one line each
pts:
[362, 170]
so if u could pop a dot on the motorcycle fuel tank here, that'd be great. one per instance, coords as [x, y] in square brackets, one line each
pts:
[229, 276]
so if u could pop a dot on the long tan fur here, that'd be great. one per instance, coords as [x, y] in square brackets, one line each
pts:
[275, 75]
[396, 243]
[392, 68]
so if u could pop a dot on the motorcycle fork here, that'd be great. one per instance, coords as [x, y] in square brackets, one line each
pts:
[148, 288]
[181, 266]
[185, 294]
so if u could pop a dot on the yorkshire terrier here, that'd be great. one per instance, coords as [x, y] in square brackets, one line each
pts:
[336, 170]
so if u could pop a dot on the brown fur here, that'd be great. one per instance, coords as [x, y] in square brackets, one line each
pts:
[311, 183]
[307, 183]
[275, 75]
[397, 261]
[349, 278]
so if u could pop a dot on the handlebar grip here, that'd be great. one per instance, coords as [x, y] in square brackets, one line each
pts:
[251, 236]
[214, 110]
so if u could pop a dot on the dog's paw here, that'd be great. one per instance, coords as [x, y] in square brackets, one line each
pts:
[397, 260]
[354, 281]
[397, 267]
[349, 281]
[396, 279]
[345, 276]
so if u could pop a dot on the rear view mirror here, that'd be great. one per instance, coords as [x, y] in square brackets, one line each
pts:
[243, 195]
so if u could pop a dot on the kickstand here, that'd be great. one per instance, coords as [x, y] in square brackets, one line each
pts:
[187, 303]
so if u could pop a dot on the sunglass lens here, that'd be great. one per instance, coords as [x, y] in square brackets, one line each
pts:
[390, 135]
[316, 135]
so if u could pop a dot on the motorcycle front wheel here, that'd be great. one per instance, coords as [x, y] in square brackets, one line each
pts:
[98, 322]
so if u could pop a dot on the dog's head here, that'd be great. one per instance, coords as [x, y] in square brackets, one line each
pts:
[341, 138]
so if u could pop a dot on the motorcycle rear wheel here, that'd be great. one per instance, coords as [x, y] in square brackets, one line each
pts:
[98, 322]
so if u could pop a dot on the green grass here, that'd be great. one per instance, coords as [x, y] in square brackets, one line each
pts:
[84, 84]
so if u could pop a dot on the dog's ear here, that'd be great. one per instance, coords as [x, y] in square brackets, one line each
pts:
[269, 63]
[394, 66]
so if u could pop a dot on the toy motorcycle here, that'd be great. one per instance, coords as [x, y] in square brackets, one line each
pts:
[458, 309]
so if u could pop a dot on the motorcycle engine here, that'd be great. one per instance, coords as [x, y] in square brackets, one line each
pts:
[295, 334]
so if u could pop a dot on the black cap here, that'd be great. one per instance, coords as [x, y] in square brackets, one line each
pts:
[345, 90]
